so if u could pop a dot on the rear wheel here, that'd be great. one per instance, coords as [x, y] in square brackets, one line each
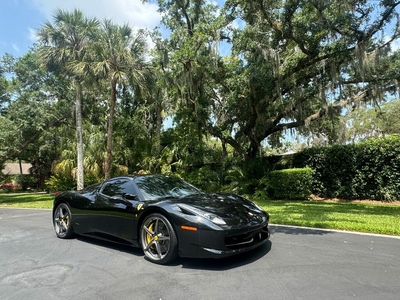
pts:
[62, 222]
[158, 239]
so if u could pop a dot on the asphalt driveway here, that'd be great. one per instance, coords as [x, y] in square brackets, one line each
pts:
[298, 263]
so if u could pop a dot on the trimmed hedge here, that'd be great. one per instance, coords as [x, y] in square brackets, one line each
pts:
[367, 170]
[291, 183]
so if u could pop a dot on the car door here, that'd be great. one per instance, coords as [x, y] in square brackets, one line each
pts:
[112, 214]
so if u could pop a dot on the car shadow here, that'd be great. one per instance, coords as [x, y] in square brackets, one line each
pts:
[189, 263]
[293, 230]
[111, 245]
[227, 263]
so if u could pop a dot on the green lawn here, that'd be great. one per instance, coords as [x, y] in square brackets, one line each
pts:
[354, 216]
[26, 200]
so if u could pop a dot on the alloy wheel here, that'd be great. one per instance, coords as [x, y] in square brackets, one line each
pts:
[158, 239]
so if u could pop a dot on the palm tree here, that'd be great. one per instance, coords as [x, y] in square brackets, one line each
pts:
[64, 43]
[120, 59]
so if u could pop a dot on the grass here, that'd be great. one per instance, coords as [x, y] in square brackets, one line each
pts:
[26, 200]
[353, 216]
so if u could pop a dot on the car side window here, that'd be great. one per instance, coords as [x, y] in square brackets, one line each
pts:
[118, 187]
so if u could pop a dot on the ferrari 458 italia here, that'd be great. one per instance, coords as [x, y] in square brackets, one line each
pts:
[164, 215]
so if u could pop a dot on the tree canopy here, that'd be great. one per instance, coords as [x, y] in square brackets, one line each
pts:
[228, 80]
[291, 63]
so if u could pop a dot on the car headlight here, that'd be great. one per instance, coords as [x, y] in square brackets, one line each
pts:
[214, 218]
[209, 216]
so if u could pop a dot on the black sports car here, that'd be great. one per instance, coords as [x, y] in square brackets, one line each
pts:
[165, 216]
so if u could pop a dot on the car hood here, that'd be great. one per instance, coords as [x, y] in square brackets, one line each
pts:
[233, 209]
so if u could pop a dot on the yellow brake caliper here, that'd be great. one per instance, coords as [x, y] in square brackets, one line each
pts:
[148, 237]
[66, 220]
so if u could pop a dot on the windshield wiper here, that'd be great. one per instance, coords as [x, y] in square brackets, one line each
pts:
[167, 197]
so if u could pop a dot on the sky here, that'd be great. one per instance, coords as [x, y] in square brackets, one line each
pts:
[19, 19]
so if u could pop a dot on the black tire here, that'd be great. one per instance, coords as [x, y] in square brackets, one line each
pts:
[158, 239]
[62, 221]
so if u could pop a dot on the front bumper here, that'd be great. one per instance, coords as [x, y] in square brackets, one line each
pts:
[220, 244]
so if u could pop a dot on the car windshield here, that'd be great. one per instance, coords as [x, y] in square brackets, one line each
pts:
[92, 188]
[156, 187]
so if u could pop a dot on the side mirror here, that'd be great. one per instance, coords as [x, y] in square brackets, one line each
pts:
[130, 197]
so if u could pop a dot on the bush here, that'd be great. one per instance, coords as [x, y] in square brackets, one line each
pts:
[9, 187]
[89, 179]
[26, 181]
[263, 189]
[60, 183]
[367, 170]
[291, 183]
[204, 178]
[378, 169]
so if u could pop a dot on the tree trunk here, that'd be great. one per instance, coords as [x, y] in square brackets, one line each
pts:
[20, 166]
[158, 130]
[79, 139]
[113, 99]
[253, 150]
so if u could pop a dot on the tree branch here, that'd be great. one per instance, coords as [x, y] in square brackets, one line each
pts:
[225, 139]
[319, 114]
[14, 153]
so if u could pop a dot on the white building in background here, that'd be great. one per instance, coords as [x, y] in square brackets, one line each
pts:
[16, 169]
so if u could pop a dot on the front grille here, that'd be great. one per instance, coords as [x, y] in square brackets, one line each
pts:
[247, 239]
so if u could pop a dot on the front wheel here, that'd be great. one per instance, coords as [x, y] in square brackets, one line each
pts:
[158, 239]
[62, 222]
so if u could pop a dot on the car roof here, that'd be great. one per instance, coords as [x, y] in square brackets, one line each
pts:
[133, 176]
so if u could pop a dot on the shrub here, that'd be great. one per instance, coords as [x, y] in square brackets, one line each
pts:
[263, 189]
[369, 169]
[26, 181]
[378, 169]
[90, 179]
[205, 178]
[291, 183]
[60, 183]
[8, 187]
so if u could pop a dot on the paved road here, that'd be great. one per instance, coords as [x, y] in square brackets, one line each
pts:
[298, 263]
